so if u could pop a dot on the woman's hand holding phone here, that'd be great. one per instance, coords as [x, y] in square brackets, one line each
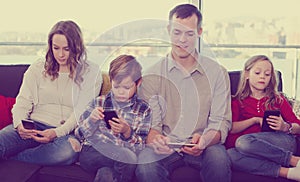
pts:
[25, 133]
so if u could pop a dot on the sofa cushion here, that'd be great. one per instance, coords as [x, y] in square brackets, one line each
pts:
[11, 170]
[6, 104]
[72, 173]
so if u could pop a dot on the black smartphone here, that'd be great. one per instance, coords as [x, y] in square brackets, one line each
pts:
[108, 115]
[28, 124]
[265, 127]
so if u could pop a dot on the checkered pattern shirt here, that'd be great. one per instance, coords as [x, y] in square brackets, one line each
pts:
[136, 113]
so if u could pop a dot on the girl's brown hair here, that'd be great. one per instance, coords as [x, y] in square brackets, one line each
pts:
[244, 89]
[77, 59]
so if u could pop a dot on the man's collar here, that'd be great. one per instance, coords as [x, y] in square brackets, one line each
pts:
[172, 64]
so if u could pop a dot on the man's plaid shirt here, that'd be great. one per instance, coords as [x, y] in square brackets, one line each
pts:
[136, 113]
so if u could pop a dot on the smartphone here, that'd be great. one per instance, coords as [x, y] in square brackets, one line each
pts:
[28, 124]
[179, 145]
[265, 126]
[108, 115]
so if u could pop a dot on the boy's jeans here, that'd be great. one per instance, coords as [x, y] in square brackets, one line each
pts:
[213, 165]
[109, 155]
[263, 153]
[57, 152]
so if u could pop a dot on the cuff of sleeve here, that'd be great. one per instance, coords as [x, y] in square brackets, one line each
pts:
[129, 138]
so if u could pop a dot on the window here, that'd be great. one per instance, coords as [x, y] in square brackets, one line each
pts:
[26, 24]
[236, 30]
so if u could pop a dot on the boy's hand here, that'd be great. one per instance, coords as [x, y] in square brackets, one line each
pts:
[120, 126]
[97, 114]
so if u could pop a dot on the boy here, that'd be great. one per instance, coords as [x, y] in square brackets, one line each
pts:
[110, 146]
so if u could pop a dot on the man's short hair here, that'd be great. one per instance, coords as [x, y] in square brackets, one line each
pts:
[183, 11]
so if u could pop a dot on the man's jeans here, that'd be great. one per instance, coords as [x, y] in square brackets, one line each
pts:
[213, 165]
[57, 152]
[122, 160]
[263, 153]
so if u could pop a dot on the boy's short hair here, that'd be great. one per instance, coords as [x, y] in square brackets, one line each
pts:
[124, 66]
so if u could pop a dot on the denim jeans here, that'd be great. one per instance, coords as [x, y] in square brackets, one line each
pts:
[213, 165]
[111, 156]
[57, 152]
[262, 153]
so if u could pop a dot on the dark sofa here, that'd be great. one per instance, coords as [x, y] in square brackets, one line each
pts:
[15, 171]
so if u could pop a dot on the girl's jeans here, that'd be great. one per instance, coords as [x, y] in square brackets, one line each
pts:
[57, 152]
[263, 153]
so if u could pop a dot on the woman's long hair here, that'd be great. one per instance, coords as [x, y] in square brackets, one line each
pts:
[271, 91]
[77, 59]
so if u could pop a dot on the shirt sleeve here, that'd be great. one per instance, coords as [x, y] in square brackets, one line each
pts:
[85, 125]
[28, 94]
[149, 92]
[287, 112]
[220, 118]
[138, 137]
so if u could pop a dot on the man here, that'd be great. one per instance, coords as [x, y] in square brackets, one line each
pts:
[189, 95]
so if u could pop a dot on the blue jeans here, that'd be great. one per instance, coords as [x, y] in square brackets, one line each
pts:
[213, 165]
[57, 152]
[263, 153]
[109, 155]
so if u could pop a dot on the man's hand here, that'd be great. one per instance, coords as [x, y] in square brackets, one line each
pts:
[159, 144]
[197, 149]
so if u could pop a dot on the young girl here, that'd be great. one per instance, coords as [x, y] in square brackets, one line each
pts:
[263, 153]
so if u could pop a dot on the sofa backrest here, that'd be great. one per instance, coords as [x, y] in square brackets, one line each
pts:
[11, 79]
[234, 77]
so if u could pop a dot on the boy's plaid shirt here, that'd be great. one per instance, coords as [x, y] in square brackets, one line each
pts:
[136, 113]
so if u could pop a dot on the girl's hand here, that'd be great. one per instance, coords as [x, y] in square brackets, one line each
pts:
[276, 123]
[97, 114]
[258, 120]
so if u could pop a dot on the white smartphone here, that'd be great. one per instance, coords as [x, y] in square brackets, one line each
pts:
[179, 145]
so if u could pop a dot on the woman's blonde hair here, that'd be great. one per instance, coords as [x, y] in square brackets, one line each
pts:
[271, 91]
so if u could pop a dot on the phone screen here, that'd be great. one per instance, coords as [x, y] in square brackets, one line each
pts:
[108, 115]
[265, 126]
[28, 124]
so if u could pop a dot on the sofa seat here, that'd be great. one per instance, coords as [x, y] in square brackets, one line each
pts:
[15, 171]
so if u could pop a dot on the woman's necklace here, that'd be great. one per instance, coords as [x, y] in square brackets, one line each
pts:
[63, 86]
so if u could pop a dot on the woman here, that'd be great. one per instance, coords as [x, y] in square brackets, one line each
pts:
[52, 94]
